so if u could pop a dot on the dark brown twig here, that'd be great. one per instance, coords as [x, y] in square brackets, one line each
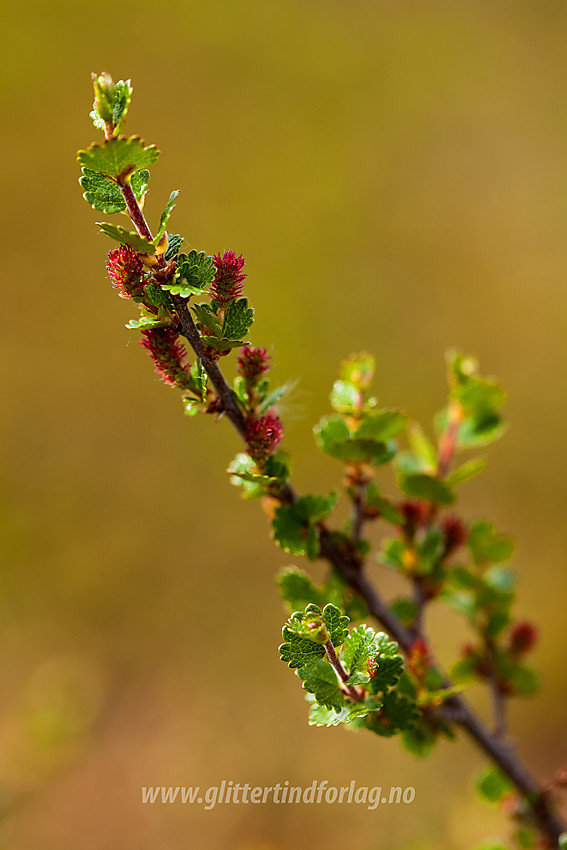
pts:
[350, 570]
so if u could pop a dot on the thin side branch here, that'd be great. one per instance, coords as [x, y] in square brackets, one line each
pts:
[354, 694]
[498, 698]
[358, 513]
[135, 213]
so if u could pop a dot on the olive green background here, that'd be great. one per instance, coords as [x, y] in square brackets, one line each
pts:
[395, 175]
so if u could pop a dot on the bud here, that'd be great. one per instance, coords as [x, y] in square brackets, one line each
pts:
[228, 283]
[522, 637]
[104, 96]
[416, 514]
[455, 533]
[418, 659]
[263, 435]
[111, 101]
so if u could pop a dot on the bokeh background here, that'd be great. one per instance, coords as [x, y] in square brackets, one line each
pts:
[396, 177]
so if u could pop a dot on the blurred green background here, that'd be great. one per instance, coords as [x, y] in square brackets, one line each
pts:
[396, 177]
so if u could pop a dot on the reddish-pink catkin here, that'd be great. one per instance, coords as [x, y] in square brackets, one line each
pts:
[228, 283]
[126, 272]
[253, 363]
[169, 356]
[263, 436]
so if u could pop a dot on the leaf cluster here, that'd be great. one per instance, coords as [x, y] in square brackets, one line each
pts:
[371, 662]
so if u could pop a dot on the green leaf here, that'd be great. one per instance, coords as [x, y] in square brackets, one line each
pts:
[393, 553]
[278, 466]
[156, 296]
[488, 547]
[174, 243]
[382, 425]
[313, 508]
[111, 102]
[200, 379]
[524, 680]
[207, 318]
[428, 488]
[497, 622]
[478, 400]
[221, 344]
[466, 471]
[419, 741]
[359, 647]
[321, 680]
[244, 474]
[405, 610]
[321, 716]
[475, 433]
[464, 670]
[238, 319]
[358, 679]
[408, 463]
[501, 580]
[422, 448]
[385, 508]
[105, 196]
[147, 322]
[492, 785]
[293, 525]
[345, 397]
[118, 158]
[193, 273]
[293, 534]
[164, 218]
[331, 432]
[333, 437]
[479, 396]
[463, 579]
[430, 550]
[297, 589]
[239, 387]
[297, 651]
[336, 624]
[399, 713]
[463, 603]
[127, 237]
[388, 666]
[272, 398]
